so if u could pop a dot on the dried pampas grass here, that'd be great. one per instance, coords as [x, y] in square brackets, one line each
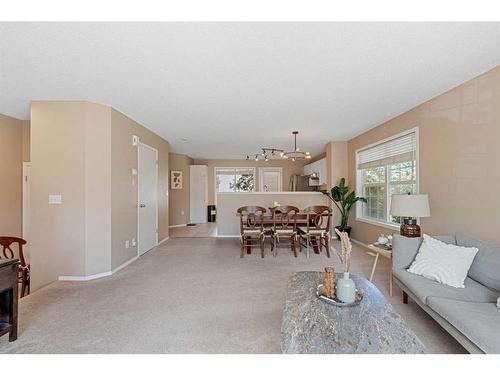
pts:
[345, 253]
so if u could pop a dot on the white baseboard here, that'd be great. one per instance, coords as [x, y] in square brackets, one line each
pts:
[98, 275]
[177, 226]
[123, 265]
[85, 278]
[162, 241]
[228, 236]
[359, 242]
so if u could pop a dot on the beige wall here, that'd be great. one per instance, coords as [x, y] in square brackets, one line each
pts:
[459, 159]
[26, 134]
[57, 234]
[11, 188]
[124, 192]
[289, 168]
[179, 198]
[337, 162]
[83, 151]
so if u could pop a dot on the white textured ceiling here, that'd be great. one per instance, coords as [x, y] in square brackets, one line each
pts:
[230, 88]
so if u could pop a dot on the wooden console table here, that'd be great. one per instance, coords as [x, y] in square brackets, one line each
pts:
[8, 297]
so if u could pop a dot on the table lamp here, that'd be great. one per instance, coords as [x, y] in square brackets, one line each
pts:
[410, 207]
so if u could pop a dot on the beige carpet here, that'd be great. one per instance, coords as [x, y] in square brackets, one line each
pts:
[190, 295]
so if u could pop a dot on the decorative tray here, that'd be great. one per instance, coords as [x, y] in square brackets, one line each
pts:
[334, 301]
[383, 246]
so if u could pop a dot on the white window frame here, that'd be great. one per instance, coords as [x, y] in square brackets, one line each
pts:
[359, 182]
[270, 169]
[235, 168]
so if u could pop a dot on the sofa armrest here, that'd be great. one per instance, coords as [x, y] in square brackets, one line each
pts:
[404, 250]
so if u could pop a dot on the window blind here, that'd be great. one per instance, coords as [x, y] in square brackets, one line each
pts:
[396, 150]
[234, 171]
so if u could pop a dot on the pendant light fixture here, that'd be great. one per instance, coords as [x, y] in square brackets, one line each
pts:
[276, 153]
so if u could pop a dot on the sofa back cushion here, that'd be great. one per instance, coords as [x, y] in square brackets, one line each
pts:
[485, 268]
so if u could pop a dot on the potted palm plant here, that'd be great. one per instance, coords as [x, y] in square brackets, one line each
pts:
[344, 200]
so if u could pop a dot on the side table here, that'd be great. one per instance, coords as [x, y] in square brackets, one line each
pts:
[386, 254]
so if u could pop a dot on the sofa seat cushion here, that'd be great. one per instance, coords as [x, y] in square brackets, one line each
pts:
[479, 322]
[485, 268]
[424, 288]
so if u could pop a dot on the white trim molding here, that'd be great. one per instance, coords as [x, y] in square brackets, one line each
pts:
[177, 226]
[162, 241]
[98, 275]
[85, 278]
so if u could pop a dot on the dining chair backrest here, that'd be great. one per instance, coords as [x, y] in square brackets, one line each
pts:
[285, 217]
[7, 251]
[317, 215]
[251, 217]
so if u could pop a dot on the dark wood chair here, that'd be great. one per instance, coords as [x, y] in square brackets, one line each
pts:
[24, 269]
[251, 227]
[317, 229]
[284, 226]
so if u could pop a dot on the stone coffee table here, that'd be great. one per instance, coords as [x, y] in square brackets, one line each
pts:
[313, 326]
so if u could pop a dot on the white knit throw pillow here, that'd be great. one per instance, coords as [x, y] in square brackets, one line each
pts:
[445, 263]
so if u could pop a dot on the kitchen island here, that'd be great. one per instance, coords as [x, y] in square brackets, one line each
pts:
[227, 203]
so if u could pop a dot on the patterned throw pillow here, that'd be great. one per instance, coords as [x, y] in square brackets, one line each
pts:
[445, 263]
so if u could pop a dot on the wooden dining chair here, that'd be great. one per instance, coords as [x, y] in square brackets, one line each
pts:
[251, 227]
[317, 229]
[8, 253]
[284, 226]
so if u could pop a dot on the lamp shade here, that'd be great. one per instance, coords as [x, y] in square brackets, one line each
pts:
[410, 205]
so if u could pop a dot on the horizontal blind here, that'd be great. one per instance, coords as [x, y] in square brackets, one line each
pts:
[396, 150]
[234, 171]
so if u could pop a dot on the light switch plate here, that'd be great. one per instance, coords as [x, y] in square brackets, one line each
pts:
[55, 199]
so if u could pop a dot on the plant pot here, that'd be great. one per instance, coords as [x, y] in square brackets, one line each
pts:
[343, 229]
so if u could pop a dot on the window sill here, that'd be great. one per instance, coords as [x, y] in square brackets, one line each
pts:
[378, 223]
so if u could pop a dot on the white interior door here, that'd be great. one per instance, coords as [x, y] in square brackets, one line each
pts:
[270, 179]
[148, 198]
[198, 193]
[26, 207]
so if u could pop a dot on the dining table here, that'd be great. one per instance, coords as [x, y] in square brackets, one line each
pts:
[302, 219]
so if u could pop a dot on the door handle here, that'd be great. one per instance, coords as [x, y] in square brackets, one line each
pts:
[142, 205]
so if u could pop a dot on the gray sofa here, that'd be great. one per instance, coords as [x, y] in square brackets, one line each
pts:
[470, 314]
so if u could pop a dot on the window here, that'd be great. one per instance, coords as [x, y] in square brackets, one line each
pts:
[233, 180]
[384, 169]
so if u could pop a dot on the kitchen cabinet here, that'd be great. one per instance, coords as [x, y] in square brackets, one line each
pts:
[318, 167]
